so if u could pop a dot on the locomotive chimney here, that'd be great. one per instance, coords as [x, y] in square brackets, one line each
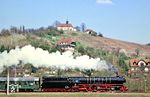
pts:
[116, 72]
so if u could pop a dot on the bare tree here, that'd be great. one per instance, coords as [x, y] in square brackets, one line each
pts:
[137, 51]
[78, 28]
[13, 29]
[56, 23]
[83, 27]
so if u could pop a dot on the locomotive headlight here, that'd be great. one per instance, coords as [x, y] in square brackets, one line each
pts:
[77, 81]
[146, 69]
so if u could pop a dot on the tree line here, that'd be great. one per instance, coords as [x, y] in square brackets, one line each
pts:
[22, 29]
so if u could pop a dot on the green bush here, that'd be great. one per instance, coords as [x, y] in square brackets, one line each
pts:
[121, 61]
[74, 34]
[2, 48]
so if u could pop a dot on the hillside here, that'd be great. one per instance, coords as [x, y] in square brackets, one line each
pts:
[110, 44]
[148, 44]
[93, 46]
[92, 41]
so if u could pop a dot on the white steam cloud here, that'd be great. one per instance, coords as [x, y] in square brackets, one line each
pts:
[40, 57]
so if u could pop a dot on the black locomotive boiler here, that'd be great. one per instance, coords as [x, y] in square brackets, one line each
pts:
[77, 84]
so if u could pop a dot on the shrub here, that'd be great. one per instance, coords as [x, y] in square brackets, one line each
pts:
[121, 61]
[2, 48]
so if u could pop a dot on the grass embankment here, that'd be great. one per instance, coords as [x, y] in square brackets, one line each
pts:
[77, 95]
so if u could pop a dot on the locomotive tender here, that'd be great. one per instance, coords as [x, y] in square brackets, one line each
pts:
[64, 84]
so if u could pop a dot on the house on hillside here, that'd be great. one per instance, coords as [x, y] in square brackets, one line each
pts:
[16, 70]
[91, 32]
[139, 66]
[66, 44]
[66, 27]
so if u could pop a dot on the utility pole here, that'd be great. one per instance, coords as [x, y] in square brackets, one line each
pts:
[145, 83]
[7, 92]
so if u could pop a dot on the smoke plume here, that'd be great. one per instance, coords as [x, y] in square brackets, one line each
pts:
[39, 57]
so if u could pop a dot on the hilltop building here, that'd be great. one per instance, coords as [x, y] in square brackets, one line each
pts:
[91, 32]
[66, 27]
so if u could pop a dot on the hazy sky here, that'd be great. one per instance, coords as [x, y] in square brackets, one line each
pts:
[127, 20]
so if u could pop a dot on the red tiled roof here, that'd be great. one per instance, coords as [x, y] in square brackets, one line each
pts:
[64, 25]
[147, 60]
[133, 61]
[66, 40]
[137, 60]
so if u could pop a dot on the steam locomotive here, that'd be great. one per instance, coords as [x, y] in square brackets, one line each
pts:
[77, 84]
[64, 84]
